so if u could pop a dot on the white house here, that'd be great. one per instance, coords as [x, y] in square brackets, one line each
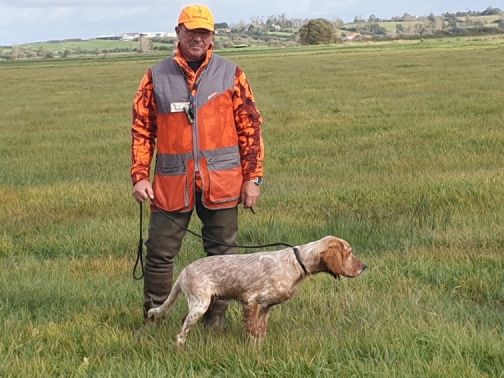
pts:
[136, 35]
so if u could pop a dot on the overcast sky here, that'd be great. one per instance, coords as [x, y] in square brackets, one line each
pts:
[23, 21]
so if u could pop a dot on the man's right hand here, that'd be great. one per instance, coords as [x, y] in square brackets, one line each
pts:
[143, 190]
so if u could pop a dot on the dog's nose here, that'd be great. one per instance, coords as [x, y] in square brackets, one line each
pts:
[364, 267]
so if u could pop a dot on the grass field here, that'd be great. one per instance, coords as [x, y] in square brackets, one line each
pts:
[397, 148]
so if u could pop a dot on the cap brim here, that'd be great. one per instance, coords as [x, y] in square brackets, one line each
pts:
[191, 25]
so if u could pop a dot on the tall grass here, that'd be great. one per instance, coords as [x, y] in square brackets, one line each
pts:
[397, 149]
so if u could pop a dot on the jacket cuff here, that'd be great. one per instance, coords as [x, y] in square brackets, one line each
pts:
[252, 175]
[137, 178]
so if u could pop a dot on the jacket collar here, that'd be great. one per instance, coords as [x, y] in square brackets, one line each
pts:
[189, 74]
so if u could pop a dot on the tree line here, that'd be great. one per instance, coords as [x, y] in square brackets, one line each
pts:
[279, 30]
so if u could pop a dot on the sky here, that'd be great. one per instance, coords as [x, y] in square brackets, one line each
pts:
[24, 21]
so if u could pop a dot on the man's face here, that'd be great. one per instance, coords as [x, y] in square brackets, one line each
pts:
[194, 43]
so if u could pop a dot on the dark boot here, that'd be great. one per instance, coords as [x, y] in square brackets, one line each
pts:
[163, 244]
[215, 317]
[156, 290]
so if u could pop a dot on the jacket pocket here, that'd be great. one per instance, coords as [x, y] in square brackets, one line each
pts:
[225, 185]
[171, 164]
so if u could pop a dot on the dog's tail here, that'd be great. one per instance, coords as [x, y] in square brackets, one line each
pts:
[172, 298]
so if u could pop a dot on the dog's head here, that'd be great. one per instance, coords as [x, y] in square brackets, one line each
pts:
[337, 258]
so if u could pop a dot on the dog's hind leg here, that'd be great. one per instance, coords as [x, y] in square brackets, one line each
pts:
[197, 308]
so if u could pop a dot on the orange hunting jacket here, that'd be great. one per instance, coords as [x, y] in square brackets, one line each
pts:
[214, 153]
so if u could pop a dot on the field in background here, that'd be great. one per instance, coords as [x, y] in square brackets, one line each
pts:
[276, 32]
[396, 148]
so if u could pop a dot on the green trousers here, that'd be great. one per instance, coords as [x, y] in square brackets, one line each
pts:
[164, 242]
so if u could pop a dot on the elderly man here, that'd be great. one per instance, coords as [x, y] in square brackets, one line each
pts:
[197, 111]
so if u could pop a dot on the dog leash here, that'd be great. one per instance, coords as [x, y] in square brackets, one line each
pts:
[140, 248]
[139, 259]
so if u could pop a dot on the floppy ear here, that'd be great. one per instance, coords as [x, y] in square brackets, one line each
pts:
[333, 258]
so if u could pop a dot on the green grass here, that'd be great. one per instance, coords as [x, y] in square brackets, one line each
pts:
[395, 147]
[82, 46]
[92, 44]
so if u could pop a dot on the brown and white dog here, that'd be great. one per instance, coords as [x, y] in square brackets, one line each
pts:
[258, 280]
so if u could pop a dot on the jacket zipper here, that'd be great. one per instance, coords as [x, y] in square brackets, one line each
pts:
[194, 102]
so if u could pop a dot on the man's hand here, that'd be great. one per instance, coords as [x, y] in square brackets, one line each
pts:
[250, 194]
[143, 190]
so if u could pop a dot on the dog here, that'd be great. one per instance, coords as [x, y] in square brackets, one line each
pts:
[257, 280]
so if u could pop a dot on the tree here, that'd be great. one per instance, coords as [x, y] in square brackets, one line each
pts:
[419, 29]
[491, 11]
[373, 28]
[338, 23]
[451, 20]
[317, 31]
[16, 53]
[407, 17]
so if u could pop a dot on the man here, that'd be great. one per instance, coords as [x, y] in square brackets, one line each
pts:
[198, 112]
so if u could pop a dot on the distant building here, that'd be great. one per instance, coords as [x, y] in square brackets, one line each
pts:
[109, 36]
[130, 36]
[159, 34]
[354, 36]
[136, 35]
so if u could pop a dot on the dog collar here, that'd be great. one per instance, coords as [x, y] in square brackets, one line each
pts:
[298, 258]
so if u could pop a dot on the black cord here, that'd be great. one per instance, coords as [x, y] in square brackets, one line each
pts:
[140, 243]
[139, 250]
[219, 242]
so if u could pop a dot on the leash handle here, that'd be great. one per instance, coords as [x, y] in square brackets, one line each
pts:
[139, 259]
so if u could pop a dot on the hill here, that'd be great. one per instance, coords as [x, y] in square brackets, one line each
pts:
[278, 31]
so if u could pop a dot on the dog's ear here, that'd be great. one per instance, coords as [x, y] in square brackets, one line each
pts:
[333, 257]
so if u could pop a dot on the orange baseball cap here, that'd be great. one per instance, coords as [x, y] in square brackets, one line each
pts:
[197, 17]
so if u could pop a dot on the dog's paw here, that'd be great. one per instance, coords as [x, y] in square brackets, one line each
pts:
[180, 343]
[154, 313]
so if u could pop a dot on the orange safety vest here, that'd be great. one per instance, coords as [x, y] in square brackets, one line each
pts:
[208, 145]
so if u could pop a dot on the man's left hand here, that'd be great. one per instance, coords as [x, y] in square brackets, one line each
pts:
[250, 194]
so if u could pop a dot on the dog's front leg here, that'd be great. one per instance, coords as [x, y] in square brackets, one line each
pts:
[263, 322]
[256, 321]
